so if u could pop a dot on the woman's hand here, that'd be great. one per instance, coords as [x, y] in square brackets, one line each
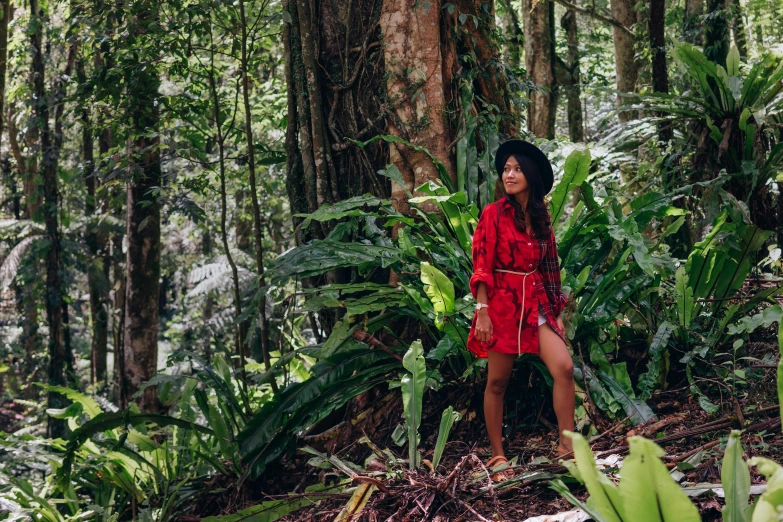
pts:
[483, 326]
[560, 323]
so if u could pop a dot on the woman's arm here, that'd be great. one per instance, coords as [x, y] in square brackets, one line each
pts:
[484, 241]
[483, 323]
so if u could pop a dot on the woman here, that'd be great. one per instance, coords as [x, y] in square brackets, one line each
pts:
[516, 283]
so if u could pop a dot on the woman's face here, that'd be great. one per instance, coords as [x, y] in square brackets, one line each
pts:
[514, 180]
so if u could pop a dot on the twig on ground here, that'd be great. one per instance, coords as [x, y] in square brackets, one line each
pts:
[363, 337]
[613, 429]
[688, 454]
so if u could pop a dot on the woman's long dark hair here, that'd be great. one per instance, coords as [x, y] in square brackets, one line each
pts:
[539, 215]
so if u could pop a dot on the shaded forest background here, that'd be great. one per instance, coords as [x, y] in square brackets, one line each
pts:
[226, 228]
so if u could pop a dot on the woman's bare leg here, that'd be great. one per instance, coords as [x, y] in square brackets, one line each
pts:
[499, 366]
[558, 361]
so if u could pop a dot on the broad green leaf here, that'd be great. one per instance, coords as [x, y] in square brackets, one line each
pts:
[89, 406]
[353, 509]
[575, 172]
[356, 206]
[735, 477]
[770, 503]
[318, 257]
[558, 486]
[439, 289]
[649, 493]
[268, 511]
[780, 367]
[733, 62]
[657, 363]
[683, 298]
[394, 174]
[109, 421]
[412, 397]
[604, 495]
[447, 419]
[619, 384]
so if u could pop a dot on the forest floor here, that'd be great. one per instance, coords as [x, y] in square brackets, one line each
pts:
[693, 440]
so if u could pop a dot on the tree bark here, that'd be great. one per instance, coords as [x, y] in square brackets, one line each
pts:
[692, 23]
[716, 32]
[259, 231]
[97, 244]
[626, 67]
[660, 75]
[240, 333]
[576, 131]
[538, 19]
[515, 37]
[6, 13]
[410, 31]
[53, 297]
[738, 27]
[142, 217]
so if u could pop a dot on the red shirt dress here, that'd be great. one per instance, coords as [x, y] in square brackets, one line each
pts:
[498, 245]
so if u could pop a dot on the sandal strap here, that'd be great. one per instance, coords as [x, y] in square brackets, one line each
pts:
[493, 461]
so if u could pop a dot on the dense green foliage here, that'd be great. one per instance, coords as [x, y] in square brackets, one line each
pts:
[274, 323]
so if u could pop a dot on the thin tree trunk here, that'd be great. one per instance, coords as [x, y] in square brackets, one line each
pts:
[142, 291]
[626, 68]
[53, 298]
[660, 74]
[259, 231]
[26, 300]
[118, 313]
[97, 245]
[692, 24]
[576, 129]
[27, 166]
[6, 13]
[516, 40]
[240, 334]
[716, 32]
[538, 19]
[738, 28]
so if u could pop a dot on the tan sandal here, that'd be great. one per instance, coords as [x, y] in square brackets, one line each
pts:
[502, 475]
[563, 453]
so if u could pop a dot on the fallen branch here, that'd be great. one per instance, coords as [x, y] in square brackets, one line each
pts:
[591, 12]
[613, 429]
[688, 454]
[363, 337]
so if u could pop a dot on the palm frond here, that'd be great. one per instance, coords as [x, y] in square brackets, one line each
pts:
[11, 264]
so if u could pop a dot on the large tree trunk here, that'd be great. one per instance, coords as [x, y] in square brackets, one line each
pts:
[411, 31]
[576, 129]
[626, 68]
[738, 27]
[53, 298]
[716, 32]
[393, 69]
[142, 219]
[538, 19]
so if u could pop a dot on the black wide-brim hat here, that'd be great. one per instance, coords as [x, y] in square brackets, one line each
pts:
[525, 148]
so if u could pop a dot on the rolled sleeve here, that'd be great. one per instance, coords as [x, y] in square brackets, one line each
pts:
[484, 241]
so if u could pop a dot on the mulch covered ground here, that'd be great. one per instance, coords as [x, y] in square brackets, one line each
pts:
[459, 490]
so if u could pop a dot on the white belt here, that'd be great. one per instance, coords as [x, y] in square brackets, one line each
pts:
[522, 313]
